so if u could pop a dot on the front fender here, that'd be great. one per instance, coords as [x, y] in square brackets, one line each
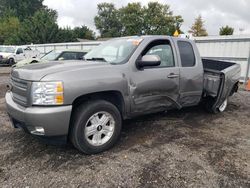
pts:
[82, 82]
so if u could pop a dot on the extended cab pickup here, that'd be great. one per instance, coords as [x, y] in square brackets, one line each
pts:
[86, 101]
[9, 55]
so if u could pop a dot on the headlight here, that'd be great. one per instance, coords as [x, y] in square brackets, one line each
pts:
[47, 93]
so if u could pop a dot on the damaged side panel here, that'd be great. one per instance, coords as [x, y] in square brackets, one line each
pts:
[151, 90]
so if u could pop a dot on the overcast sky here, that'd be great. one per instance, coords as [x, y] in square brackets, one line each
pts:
[216, 13]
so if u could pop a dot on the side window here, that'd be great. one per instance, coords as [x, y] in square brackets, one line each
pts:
[186, 53]
[163, 49]
[68, 56]
[19, 51]
[80, 55]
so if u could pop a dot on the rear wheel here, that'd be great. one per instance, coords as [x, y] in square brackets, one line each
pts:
[96, 126]
[209, 103]
[223, 106]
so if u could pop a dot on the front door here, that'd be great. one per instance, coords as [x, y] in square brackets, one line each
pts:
[156, 88]
[20, 55]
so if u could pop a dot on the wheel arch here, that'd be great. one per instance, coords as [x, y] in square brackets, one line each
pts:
[234, 88]
[112, 96]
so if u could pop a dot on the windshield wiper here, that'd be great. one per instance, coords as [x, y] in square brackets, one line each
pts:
[97, 59]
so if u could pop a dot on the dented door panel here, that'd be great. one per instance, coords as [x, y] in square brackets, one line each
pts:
[152, 90]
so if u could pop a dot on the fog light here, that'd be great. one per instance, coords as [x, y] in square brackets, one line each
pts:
[38, 131]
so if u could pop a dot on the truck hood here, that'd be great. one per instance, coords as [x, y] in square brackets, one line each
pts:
[26, 62]
[35, 72]
[4, 54]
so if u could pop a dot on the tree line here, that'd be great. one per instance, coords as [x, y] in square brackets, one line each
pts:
[198, 29]
[29, 21]
[134, 19]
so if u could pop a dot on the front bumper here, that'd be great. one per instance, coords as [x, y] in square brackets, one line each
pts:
[53, 120]
[4, 61]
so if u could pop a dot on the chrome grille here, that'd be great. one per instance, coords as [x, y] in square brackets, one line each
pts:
[20, 91]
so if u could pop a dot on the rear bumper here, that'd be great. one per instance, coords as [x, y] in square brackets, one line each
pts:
[54, 121]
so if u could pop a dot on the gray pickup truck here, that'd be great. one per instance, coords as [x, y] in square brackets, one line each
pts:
[85, 102]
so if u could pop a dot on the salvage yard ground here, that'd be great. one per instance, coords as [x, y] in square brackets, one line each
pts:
[187, 148]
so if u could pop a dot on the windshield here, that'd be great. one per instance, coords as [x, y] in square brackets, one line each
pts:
[114, 51]
[7, 49]
[51, 56]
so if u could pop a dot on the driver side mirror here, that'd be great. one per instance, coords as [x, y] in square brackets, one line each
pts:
[148, 61]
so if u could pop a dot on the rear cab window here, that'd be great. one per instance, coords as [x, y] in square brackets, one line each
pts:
[186, 53]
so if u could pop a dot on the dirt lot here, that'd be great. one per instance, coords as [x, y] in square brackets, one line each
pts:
[187, 148]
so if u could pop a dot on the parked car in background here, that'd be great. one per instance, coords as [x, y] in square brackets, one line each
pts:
[54, 55]
[86, 101]
[12, 54]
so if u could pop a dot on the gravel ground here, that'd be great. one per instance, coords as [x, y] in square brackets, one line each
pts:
[187, 148]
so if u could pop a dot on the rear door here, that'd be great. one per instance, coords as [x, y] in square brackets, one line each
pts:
[156, 88]
[191, 70]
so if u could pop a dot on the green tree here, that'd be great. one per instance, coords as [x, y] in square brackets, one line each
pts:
[70, 35]
[131, 18]
[198, 28]
[107, 20]
[159, 20]
[226, 30]
[84, 32]
[9, 27]
[178, 20]
[21, 8]
[40, 28]
[66, 35]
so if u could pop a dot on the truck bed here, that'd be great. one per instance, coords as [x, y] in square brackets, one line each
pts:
[219, 78]
[215, 65]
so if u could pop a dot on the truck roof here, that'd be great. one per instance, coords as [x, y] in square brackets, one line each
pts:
[70, 50]
[152, 37]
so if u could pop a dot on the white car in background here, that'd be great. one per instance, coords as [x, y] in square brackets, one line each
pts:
[54, 55]
[12, 54]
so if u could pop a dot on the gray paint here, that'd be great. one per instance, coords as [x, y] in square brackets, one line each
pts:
[55, 120]
[143, 90]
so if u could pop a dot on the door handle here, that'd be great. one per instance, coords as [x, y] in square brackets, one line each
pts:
[172, 75]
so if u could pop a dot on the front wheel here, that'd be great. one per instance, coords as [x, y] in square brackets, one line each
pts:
[96, 126]
[11, 61]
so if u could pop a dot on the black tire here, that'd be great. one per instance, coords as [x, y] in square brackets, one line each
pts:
[11, 61]
[209, 103]
[81, 116]
[34, 61]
